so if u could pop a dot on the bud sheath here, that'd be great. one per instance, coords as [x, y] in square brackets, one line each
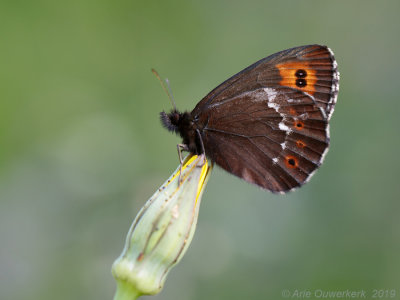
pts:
[162, 231]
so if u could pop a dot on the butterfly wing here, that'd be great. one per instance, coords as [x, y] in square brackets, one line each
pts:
[262, 126]
[277, 70]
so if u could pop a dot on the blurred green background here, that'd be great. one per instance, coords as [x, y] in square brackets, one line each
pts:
[82, 148]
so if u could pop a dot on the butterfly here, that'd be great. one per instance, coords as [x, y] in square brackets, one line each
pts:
[269, 123]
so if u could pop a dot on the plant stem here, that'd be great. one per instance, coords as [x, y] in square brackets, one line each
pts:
[126, 291]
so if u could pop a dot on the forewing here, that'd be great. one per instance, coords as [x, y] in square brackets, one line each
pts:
[279, 70]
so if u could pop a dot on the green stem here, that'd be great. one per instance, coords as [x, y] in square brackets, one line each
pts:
[126, 291]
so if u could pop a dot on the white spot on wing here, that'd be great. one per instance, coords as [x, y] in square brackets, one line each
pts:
[283, 127]
[273, 105]
[283, 145]
[271, 93]
[275, 160]
[303, 116]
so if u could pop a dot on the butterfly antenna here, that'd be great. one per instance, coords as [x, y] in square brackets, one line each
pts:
[169, 94]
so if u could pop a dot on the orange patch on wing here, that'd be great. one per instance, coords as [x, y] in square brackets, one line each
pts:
[300, 144]
[291, 161]
[292, 111]
[288, 70]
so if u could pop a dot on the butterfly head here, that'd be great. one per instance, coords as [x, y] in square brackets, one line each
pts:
[184, 125]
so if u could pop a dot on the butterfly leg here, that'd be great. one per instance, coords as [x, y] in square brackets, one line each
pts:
[181, 147]
[203, 151]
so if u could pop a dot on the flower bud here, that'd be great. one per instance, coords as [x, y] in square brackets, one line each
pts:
[162, 231]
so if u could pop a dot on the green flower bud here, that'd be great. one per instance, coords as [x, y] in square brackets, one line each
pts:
[162, 231]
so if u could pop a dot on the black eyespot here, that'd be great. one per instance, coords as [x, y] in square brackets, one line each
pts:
[301, 82]
[301, 73]
[291, 161]
[298, 124]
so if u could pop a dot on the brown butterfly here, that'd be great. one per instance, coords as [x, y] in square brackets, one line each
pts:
[268, 124]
